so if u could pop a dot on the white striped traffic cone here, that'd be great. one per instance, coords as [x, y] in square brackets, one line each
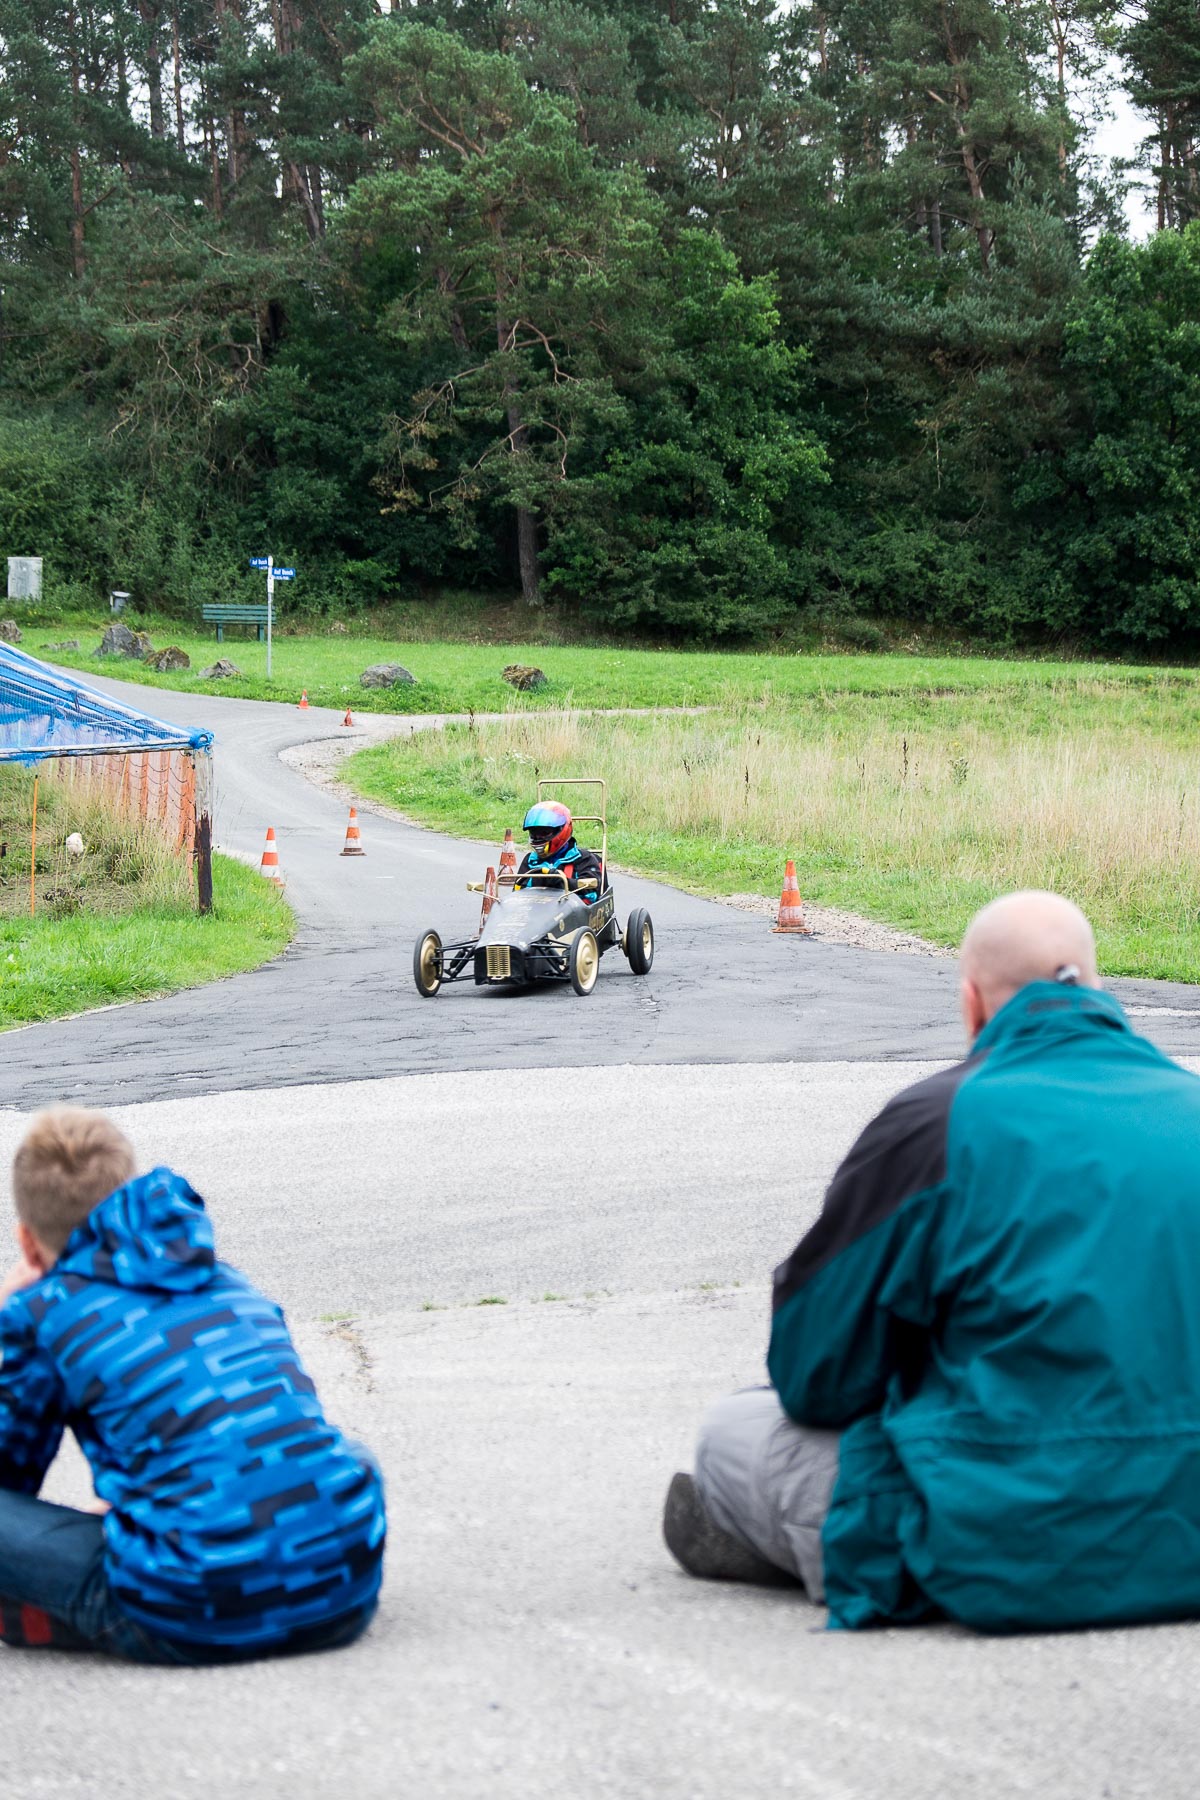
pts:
[489, 896]
[353, 844]
[791, 907]
[269, 866]
[508, 855]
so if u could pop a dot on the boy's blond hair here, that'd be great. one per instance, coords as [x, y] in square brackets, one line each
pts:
[69, 1160]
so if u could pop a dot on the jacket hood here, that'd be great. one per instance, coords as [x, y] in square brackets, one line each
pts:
[151, 1233]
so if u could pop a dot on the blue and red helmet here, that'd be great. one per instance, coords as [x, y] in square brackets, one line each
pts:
[549, 826]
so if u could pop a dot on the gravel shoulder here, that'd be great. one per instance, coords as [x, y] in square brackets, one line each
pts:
[833, 926]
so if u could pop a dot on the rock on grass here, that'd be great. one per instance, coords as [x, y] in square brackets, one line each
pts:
[524, 676]
[118, 640]
[386, 675]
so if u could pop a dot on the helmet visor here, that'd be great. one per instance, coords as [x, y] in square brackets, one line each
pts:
[548, 823]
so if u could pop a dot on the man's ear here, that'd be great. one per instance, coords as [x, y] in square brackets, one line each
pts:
[35, 1254]
[974, 1012]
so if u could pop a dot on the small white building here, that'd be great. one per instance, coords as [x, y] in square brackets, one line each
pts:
[24, 577]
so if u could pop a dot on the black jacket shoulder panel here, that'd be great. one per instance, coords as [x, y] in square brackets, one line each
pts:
[585, 865]
[901, 1152]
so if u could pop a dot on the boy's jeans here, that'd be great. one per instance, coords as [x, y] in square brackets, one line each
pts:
[54, 1593]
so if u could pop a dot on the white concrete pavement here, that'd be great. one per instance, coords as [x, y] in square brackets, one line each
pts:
[535, 1639]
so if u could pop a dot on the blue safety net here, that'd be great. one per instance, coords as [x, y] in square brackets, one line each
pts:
[43, 714]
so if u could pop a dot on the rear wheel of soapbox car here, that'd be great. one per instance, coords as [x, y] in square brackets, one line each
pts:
[638, 942]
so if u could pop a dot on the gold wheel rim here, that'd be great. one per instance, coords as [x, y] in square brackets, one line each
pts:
[430, 962]
[647, 939]
[587, 961]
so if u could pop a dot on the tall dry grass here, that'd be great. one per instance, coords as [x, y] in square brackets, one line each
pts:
[910, 813]
[125, 864]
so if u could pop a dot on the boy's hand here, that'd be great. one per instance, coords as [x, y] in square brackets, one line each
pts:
[23, 1274]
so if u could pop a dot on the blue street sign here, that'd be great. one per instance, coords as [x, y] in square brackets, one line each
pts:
[285, 574]
[258, 562]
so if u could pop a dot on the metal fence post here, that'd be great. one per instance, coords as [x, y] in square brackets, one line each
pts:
[202, 800]
[33, 853]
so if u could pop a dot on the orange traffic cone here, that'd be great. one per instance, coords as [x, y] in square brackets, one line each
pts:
[489, 896]
[353, 844]
[347, 720]
[508, 855]
[791, 907]
[303, 707]
[269, 866]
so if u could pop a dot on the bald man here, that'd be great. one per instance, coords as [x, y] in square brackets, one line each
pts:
[985, 1354]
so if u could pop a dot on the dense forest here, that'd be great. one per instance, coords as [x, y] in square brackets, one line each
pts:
[686, 313]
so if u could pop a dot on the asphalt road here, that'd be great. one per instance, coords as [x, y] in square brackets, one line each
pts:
[519, 1262]
[340, 1002]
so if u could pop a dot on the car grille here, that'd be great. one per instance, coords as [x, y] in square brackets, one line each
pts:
[498, 962]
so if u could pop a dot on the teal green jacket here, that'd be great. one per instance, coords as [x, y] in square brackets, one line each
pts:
[999, 1307]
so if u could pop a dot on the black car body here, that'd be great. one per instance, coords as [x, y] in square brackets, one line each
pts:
[528, 934]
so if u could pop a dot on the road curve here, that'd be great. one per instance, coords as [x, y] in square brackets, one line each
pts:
[340, 1003]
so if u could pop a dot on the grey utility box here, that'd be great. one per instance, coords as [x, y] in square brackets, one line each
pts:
[24, 577]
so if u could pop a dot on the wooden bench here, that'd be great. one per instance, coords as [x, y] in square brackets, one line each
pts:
[237, 614]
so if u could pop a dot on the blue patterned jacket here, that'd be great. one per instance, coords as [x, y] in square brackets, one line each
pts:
[239, 1516]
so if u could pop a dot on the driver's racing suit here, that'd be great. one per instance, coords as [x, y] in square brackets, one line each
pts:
[574, 862]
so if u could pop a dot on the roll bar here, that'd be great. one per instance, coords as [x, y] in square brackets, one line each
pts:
[532, 876]
[600, 818]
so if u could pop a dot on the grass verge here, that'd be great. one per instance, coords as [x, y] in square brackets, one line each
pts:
[120, 921]
[912, 809]
[462, 677]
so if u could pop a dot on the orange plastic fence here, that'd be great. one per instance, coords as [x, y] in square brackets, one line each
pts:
[156, 787]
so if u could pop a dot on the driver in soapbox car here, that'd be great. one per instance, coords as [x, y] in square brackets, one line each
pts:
[553, 851]
[555, 917]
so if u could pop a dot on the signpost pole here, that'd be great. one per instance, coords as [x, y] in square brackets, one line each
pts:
[270, 607]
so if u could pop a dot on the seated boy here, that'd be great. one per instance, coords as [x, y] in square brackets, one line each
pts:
[239, 1523]
[554, 851]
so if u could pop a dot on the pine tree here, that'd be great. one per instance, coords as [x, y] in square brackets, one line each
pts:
[1162, 56]
[517, 259]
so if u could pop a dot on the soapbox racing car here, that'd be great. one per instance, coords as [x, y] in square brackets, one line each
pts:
[540, 928]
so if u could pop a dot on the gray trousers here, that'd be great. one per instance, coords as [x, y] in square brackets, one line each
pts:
[768, 1482]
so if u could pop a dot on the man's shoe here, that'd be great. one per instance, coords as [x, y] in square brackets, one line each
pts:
[700, 1546]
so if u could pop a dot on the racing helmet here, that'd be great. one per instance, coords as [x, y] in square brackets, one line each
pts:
[549, 826]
